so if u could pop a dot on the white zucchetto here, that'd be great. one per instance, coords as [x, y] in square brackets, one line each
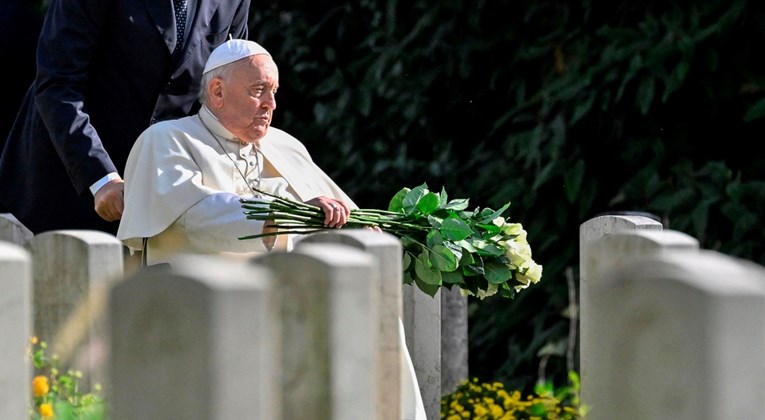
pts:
[232, 50]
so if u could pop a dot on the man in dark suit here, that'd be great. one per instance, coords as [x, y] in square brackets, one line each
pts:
[106, 70]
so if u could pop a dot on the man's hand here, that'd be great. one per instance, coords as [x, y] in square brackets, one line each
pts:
[109, 200]
[335, 211]
[269, 241]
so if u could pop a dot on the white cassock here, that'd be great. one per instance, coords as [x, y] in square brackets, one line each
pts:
[183, 182]
[182, 189]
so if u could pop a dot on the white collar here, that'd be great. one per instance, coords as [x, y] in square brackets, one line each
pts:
[213, 123]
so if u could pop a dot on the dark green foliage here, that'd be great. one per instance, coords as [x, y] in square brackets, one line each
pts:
[565, 110]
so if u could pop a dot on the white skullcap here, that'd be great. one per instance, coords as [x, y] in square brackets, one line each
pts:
[232, 50]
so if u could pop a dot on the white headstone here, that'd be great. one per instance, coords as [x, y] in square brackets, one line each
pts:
[15, 330]
[330, 330]
[422, 323]
[12, 230]
[680, 337]
[607, 253]
[71, 271]
[454, 339]
[589, 232]
[195, 340]
[387, 249]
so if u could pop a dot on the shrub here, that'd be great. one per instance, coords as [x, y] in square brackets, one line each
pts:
[57, 395]
[490, 401]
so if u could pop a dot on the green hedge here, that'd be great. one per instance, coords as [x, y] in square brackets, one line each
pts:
[566, 110]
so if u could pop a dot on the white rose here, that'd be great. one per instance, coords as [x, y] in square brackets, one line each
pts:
[518, 253]
[490, 291]
[532, 274]
[514, 229]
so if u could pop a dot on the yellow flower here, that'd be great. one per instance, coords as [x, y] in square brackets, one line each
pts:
[40, 386]
[46, 410]
[33, 340]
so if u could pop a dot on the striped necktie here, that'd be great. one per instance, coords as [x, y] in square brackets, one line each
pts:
[180, 7]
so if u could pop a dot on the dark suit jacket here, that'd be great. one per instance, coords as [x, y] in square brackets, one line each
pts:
[105, 72]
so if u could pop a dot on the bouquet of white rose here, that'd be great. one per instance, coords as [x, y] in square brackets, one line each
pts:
[444, 244]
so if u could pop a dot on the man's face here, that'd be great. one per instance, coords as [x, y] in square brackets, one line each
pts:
[248, 97]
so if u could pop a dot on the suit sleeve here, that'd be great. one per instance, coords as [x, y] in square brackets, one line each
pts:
[62, 72]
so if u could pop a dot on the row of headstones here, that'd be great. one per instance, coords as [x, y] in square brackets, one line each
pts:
[71, 282]
[668, 330]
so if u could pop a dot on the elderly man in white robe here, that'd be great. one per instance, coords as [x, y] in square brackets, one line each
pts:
[184, 178]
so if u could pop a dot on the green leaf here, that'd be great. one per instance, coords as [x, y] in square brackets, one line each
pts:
[475, 282]
[487, 248]
[489, 229]
[39, 358]
[453, 277]
[573, 181]
[409, 242]
[488, 215]
[676, 79]
[456, 249]
[506, 291]
[424, 272]
[434, 238]
[544, 389]
[548, 171]
[408, 279]
[429, 289]
[496, 272]
[645, 94]
[397, 201]
[476, 268]
[413, 197]
[582, 108]
[443, 198]
[455, 229]
[443, 258]
[457, 204]
[755, 111]
[407, 261]
[467, 259]
[428, 203]
[467, 246]
[435, 221]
